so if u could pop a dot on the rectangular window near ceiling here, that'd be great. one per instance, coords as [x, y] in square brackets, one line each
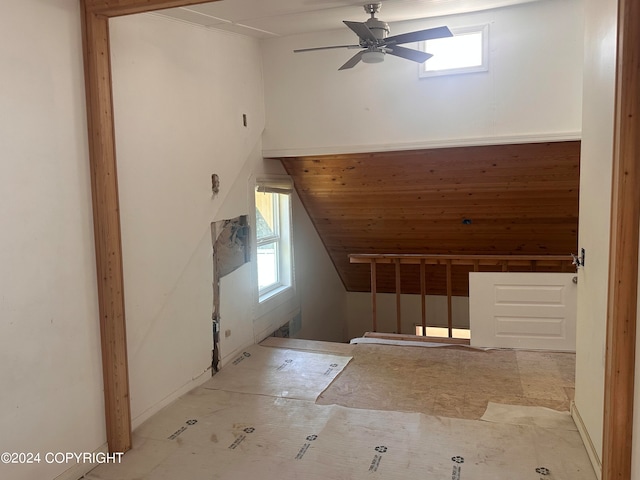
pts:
[273, 237]
[466, 52]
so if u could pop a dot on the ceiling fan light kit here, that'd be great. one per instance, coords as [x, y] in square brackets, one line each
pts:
[373, 56]
[373, 38]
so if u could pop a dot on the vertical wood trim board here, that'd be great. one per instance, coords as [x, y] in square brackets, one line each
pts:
[374, 308]
[423, 297]
[106, 213]
[398, 297]
[106, 223]
[623, 259]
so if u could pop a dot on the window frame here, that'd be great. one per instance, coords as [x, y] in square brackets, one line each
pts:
[282, 187]
[484, 65]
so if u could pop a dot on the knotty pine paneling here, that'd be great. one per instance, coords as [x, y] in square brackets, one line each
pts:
[521, 199]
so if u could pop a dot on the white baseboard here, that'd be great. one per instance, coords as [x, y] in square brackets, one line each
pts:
[148, 413]
[79, 470]
[594, 456]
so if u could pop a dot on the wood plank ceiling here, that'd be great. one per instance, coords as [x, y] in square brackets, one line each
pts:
[497, 200]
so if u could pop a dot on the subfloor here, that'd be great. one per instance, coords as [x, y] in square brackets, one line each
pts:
[456, 382]
[294, 409]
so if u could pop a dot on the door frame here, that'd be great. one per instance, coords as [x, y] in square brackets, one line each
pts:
[622, 302]
[106, 211]
[625, 224]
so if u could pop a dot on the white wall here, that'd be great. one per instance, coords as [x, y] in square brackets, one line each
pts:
[320, 295]
[323, 298]
[50, 362]
[180, 92]
[533, 88]
[595, 205]
[50, 367]
[360, 312]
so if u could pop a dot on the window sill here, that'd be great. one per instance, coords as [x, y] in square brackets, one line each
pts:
[274, 299]
[272, 294]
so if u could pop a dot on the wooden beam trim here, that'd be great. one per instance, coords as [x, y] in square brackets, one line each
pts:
[106, 221]
[398, 298]
[623, 260]
[374, 307]
[449, 304]
[117, 8]
[423, 296]
[415, 258]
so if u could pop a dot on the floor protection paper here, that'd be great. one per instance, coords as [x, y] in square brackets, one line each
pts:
[279, 373]
[528, 415]
[216, 434]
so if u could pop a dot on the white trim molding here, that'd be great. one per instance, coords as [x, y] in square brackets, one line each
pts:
[428, 144]
[594, 456]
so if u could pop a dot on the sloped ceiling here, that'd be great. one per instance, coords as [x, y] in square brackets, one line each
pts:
[496, 200]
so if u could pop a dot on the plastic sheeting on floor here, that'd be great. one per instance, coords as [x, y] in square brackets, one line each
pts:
[216, 434]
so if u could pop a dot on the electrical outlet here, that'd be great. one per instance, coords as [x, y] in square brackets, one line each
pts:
[227, 333]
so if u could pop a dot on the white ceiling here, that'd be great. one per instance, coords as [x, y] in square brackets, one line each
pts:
[276, 18]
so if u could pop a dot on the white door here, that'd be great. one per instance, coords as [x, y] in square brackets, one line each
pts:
[523, 310]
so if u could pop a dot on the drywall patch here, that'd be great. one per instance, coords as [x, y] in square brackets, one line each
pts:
[230, 244]
[231, 250]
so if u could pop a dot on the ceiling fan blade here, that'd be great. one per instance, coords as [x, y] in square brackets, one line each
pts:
[361, 30]
[324, 48]
[353, 61]
[409, 53]
[419, 36]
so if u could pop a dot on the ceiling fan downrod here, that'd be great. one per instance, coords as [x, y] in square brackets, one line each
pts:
[379, 29]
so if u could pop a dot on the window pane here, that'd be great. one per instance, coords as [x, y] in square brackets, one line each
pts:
[266, 214]
[459, 51]
[267, 265]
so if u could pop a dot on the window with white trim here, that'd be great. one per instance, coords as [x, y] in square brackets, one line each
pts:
[466, 52]
[273, 237]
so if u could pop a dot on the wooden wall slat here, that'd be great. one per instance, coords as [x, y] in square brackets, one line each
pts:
[521, 199]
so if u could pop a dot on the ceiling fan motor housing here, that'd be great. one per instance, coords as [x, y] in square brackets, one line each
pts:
[379, 28]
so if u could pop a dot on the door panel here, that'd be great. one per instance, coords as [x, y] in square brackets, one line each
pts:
[523, 310]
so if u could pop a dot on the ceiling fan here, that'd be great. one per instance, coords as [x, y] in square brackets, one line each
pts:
[375, 43]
